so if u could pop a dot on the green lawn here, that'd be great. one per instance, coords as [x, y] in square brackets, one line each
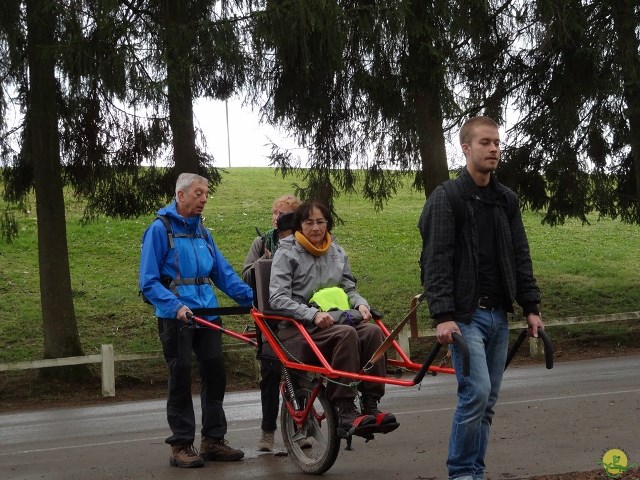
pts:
[581, 269]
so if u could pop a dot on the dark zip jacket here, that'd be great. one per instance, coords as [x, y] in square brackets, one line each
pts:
[451, 264]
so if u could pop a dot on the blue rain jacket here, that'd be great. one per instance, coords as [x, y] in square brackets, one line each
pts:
[192, 257]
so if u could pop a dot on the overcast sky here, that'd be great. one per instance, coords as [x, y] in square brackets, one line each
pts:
[249, 140]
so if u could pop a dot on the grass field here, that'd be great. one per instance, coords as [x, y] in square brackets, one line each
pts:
[581, 269]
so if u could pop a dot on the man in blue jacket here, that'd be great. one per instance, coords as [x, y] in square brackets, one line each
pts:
[177, 267]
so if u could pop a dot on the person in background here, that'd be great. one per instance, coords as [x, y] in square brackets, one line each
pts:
[473, 274]
[175, 276]
[305, 264]
[265, 246]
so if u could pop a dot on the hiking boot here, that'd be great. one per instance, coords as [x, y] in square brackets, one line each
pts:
[370, 407]
[218, 450]
[348, 413]
[185, 456]
[266, 442]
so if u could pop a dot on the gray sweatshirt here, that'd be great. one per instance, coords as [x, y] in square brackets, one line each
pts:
[296, 275]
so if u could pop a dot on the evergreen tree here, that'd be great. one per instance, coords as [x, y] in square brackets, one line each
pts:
[575, 147]
[377, 84]
[78, 66]
[39, 164]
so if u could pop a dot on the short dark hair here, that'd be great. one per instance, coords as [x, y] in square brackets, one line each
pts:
[285, 221]
[468, 126]
[304, 211]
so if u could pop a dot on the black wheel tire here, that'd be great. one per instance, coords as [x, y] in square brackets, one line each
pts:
[319, 429]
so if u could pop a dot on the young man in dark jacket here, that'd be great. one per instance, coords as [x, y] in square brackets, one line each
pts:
[475, 267]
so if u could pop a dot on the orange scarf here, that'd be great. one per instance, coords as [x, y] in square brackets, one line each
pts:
[316, 252]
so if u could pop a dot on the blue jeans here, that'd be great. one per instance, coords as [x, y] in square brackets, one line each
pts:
[487, 337]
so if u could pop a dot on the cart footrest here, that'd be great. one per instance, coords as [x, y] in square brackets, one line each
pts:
[367, 431]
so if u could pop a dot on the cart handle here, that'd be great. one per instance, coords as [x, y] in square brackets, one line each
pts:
[464, 352]
[548, 347]
[194, 319]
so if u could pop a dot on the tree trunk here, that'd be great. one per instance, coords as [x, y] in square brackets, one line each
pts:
[433, 153]
[177, 43]
[625, 23]
[426, 80]
[58, 316]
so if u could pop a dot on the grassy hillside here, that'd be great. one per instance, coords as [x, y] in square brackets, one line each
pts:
[582, 269]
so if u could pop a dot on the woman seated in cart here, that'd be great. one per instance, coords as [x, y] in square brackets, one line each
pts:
[304, 268]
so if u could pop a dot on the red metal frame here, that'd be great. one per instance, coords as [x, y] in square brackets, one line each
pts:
[300, 416]
[406, 362]
[324, 368]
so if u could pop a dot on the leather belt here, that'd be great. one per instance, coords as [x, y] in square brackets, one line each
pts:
[488, 303]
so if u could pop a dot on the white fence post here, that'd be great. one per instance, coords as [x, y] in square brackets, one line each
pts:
[108, 371]
[536, 348]
[403, 340]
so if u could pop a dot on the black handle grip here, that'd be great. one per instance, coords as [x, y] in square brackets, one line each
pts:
[427, 363]
[464, 352]
[548, 348]
[515, 347]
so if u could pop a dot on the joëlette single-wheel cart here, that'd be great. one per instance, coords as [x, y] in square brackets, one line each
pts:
[305, 411]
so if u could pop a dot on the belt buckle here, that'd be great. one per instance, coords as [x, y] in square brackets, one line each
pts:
[483, 303]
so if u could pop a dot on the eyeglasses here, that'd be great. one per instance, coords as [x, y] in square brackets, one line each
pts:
[310, 223]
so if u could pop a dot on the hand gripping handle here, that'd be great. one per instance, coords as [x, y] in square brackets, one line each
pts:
[548, 347]
[464, 353]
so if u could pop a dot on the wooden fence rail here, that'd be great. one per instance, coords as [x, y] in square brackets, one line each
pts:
[107, 357]
[534, 345]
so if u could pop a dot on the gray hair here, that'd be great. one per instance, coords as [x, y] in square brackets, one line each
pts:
[185, 180]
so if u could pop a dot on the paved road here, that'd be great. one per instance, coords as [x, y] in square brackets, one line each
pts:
[548, 421]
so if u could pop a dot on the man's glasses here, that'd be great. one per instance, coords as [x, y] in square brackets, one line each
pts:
[310, 223]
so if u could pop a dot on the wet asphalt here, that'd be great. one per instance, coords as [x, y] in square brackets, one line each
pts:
[547, 421]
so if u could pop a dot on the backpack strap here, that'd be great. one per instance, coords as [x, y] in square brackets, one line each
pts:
[511, 207]
[455, 193]
[167, 226]
[170, 235]
[456, 197]
[172, 283]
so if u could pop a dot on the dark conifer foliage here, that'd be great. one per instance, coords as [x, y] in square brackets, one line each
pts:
[575, 148]
[104, 92]
[376, 85]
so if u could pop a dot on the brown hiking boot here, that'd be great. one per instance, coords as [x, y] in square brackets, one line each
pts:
[266, 441]
[347, 414]
[218, 450]
[185, 456]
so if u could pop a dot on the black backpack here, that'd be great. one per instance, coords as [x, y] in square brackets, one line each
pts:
[455, 195]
